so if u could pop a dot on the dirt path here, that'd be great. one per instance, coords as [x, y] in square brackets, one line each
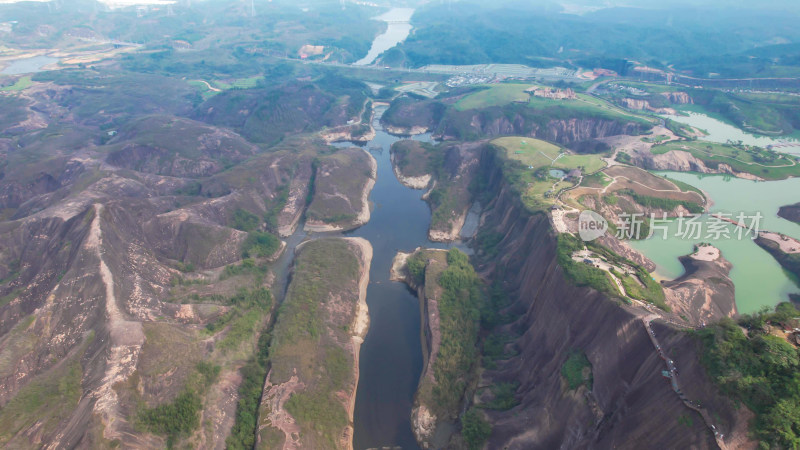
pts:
[210, 87]
[126, 338]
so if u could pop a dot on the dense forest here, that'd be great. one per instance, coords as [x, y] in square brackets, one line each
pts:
[611, 38]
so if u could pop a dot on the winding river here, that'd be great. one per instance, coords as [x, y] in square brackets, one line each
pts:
[399, 27]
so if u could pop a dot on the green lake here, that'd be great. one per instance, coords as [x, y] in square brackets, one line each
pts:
[721, 132]
[759, 279]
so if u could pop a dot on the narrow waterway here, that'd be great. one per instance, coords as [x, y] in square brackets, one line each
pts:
[398, 29]
[391, 356]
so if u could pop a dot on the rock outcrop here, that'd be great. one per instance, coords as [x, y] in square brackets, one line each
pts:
[681, 161]
[644, 105]
[493, 122]
[704, 293]
[790, 212]
[678, 98]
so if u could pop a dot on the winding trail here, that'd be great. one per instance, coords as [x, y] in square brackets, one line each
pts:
[210, 87]
[127, 338]
[673, 372]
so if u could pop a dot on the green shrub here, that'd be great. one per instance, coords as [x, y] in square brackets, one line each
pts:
[666, 204]
[624, 158]
[459, 313]
[321, 410]
[174, 419]
[209, 372]
[475, 429]
[244, 220]
[582, 274]
[577, 370]
[488, 242]
[760, 370]
[253, 374]
[260, 244]
[416, 268]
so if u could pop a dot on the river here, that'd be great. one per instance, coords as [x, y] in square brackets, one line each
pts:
[757, 276]
[391, 356]
[398, 29]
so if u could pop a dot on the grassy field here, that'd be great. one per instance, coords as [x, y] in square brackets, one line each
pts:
[644, 183]
[214, 87]
[597, 180]
[494, 95]
[338, 187]
[531, 160]
[591, 105]
[763, 163]
[21, 84]
[531, 152]
[537, 153]
[242, 83]
[504, 94]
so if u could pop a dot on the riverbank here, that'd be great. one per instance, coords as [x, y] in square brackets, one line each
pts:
[360, 324]
[310, 393]
[419, 183]
[326, 208]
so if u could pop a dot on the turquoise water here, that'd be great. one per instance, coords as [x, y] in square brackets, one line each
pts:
[721, 132]
[759, 279]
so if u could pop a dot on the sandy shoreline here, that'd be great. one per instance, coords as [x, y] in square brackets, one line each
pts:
[420, 182]
[405, 131]
[346, 135]
[398, 263]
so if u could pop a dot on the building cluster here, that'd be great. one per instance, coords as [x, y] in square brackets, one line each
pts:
[469, 80]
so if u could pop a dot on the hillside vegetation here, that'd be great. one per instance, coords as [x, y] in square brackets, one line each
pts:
[311, 345]
[760, 369]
